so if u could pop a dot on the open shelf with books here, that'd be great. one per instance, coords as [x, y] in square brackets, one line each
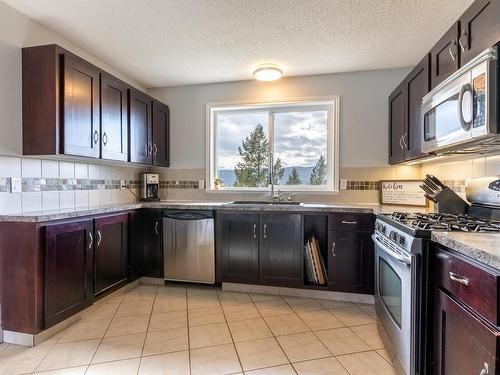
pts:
[315, 251]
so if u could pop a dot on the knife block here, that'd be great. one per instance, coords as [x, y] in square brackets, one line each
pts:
[449, 202]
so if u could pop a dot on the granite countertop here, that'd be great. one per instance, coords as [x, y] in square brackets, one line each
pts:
[44, 216]
[482, 247]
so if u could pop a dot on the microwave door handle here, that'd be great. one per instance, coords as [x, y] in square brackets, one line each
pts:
[466, 125]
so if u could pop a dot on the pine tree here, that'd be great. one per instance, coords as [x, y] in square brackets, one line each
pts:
[318, 174]
[294, 177]
[278, 171]
[252, 170]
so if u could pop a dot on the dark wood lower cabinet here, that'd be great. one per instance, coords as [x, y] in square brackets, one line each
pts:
[69, 248]
[350, 262]
[463, 344]
[239, 244]
[280, 255]
[111, 252]
[153, 255]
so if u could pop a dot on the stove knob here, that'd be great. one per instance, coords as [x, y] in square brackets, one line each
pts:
[392, 235]
[382, 228]
[402, 240]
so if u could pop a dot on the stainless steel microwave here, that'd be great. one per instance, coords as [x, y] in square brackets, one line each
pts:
[460, 115]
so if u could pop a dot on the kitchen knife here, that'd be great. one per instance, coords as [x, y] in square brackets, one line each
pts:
[432, 185]
[430, 198]
[436, 181]
[428, 190]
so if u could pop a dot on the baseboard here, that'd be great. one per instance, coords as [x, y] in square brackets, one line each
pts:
[296, 292]
[152, 280]
[27, 339]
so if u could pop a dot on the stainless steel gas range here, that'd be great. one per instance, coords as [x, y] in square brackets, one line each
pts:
[401, 269]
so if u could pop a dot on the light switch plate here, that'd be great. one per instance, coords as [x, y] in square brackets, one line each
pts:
[201, 184]
[16, 185]
[343, 184]
[123, 185]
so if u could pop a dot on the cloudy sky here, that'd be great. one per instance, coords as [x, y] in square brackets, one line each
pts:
[300, 138]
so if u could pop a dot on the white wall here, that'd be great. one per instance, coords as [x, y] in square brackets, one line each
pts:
[17, 31]
[363, 111]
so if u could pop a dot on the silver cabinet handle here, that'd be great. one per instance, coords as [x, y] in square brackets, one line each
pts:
[150, 149]
[91, 240]
[333, 249]
[155, 149]
[485, 370]
[459, 279]
[463, 41]
[156, 227]
[400, 143]
[104, 139]
[96, 136]
[255, 231]
[405, 135]
[453, 50]
[349, 222]
[99, 238]
[265, 230]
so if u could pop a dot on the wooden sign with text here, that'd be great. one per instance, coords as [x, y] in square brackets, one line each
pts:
[402, 192]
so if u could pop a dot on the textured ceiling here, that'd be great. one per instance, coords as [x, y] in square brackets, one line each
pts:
[175, 42]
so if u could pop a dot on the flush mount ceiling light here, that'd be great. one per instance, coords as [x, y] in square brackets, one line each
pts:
[267, 72]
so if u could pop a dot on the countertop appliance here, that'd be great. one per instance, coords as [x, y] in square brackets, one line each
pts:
[401, 269]
[150, 187]
[189, 246]
[461, 114]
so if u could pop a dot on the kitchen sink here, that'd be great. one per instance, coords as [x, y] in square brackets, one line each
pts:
[267, 203]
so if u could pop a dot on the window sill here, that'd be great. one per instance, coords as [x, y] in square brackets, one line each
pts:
[267, 192]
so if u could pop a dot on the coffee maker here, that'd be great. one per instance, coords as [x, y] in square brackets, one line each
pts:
[150, 187]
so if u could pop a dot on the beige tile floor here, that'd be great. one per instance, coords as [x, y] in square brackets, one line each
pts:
[202, 330]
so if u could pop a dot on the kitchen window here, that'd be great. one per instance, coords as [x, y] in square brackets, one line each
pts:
[299, 139]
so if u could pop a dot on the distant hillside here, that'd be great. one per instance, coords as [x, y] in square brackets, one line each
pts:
[228, 176]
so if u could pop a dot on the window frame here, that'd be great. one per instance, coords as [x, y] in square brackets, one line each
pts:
[333, 152]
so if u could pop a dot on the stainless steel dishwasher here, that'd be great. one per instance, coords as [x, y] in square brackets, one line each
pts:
[189, 246]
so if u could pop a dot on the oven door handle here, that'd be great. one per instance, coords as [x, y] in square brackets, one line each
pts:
[394, 255]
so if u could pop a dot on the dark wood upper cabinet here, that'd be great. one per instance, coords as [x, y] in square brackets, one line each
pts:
[397, 125]
[417, 85]
[71, 107]
[238, 241]
[445, 56]
[140, 131]
[69, 248]
[114, 118]
[479, 28]
[110, 257]
[161, 134]
[281, 249]
[80, 131]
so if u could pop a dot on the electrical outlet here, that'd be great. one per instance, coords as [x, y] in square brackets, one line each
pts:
[16, 185]
[201, 184]
[343, 184]
[123, 185]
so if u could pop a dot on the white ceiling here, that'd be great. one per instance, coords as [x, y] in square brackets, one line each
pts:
[175, 42]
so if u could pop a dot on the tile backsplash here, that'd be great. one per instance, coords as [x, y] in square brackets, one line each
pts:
[52, 185]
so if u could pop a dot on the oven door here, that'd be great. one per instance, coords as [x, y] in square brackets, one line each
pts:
[393, 300]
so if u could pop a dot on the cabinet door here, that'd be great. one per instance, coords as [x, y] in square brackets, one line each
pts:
[111, 251]
[153, 256]
[479, 28]
[161, 134]
[140, 132]
[417, 85]
[350, 262]
[238, 237]
[68, 269]
[280, 255]
[397, 125]
[80, 130]
[462, 344]
[114, 118]
[445, 56]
